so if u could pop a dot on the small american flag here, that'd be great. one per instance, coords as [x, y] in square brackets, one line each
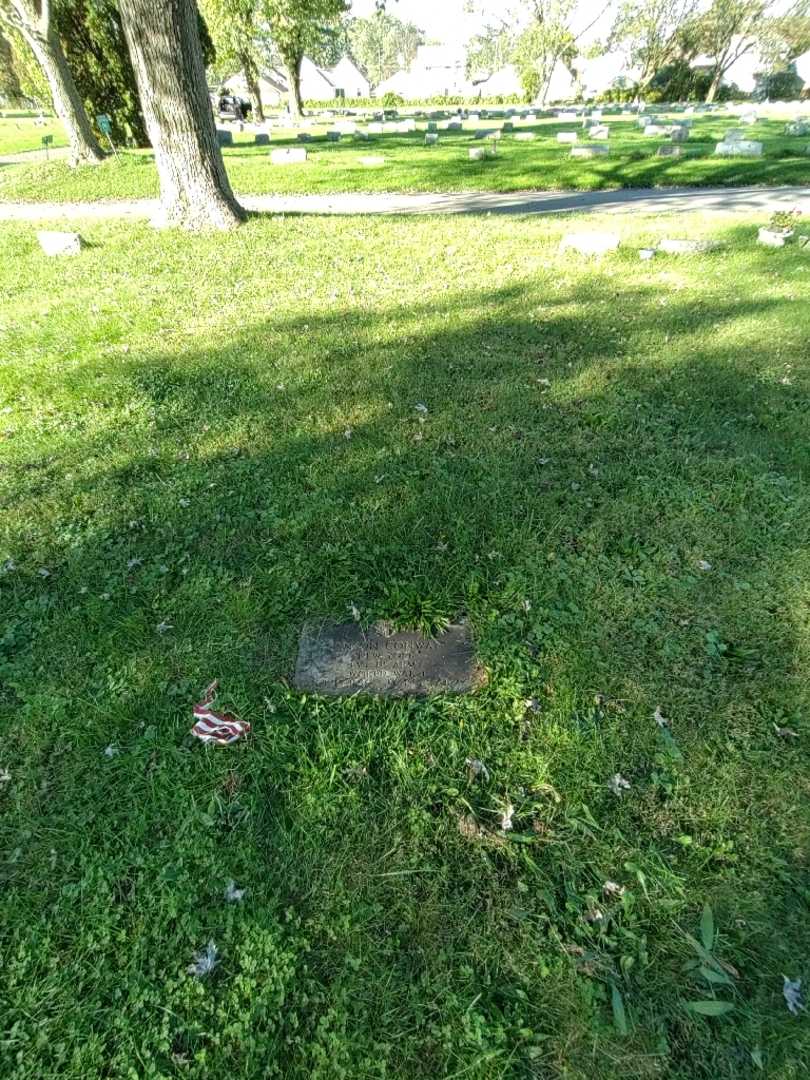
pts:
[213, 727]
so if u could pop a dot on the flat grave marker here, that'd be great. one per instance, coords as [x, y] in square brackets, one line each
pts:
[343, 659]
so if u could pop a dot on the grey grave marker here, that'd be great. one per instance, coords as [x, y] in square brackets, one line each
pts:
[343, 658]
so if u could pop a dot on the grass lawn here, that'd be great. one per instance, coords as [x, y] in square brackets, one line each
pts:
[411, 166]
[203, 441]
[19, 133]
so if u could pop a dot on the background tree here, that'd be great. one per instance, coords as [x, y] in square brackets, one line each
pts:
[785, 37]
[651, 31]
[726, 32]
[232, 24]
[296, 27]
[489, 51]
[32, 20]
[382, 45]
[534, 36]
[163, 37]
[10, 87]
[330, 46]
[542, 45]
[93, 41]
[25, 70]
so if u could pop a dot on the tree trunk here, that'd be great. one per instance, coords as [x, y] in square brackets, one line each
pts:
[164, 44]
[41, 36]
[717, 78]
[293, 72]
[254, 91]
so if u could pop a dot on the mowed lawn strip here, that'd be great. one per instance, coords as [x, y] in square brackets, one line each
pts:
[20, 133]
[542, 164]
[205, 441]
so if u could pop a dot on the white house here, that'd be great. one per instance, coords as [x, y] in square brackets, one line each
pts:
[501, 83]
[324, 84]
[317, 84]
[436, 71]
[272, 87]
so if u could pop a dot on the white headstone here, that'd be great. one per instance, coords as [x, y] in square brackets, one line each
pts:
[524, 136]
[431, 138]
[591, 151]
[567, 136]
[590, 243]
[741, 148]
[677, 246]
[60, 243]
[292, 155]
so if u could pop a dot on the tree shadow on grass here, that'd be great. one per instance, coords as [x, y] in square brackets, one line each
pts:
[560, 460]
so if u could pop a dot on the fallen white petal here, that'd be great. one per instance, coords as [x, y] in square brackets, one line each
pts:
[232, 894]
[204, 962]
[618, 784]
[792, 991]
[477, 768]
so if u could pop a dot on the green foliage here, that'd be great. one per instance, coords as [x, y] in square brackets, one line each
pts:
[390, 100]
[651, 32]
[784, 38]
[95, 49]
[547, 40]
[10, 88]
[331, 45]
[678, 81]
[784, 219]
[382, 44]
[298, 26]
[489, 51]
[785, 85]
[23, 73]
[231, 25]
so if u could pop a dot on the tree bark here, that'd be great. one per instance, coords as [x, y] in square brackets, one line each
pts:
[292, 69]
[40, 34]
[714, 86]
[164, 44]
[254, 91]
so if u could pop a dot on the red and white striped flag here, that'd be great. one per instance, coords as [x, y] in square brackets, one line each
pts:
[213, 727]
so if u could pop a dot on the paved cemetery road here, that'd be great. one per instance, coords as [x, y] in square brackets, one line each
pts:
[623, 200]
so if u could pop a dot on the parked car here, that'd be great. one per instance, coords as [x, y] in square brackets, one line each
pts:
[231, 107]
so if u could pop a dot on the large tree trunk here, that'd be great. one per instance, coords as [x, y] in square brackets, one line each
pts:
[714, 86]
[39, 33]
[254, 91]
[164, 44]
[292, 69]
